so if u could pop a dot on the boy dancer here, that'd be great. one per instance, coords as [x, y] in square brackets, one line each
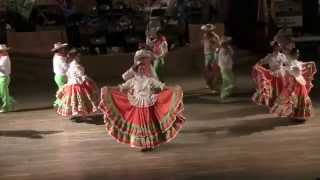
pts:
[60, 65]
[5, 71]
[210, 41]
[159, 46]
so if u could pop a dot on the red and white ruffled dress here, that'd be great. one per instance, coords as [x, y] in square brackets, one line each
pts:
[294, 101]
[269, 81]
[80, 96]
[135, 114]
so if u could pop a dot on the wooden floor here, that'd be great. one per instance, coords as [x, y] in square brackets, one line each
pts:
[235, 140]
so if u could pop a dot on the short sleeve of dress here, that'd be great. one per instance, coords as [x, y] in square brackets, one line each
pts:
[127, 85]
[128, 74]
[265, 60]
[156, 84]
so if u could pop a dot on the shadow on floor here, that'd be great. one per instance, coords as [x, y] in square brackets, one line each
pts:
[95, 120]
[243, 128]
[32, 134]
[33, 109]
[210, 99]
[238, 113]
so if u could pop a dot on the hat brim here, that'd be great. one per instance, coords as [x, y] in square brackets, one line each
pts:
[137, 58]
[73, 51]
[60, 47]
[208, 27]
[5, 49]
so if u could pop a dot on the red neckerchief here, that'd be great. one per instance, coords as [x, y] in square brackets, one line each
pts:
[3, 55]
[59, 54]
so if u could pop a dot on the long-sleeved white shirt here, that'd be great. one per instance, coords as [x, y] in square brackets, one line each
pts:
[60, 66]
[75, 73]
[141, 90]
[5, 65]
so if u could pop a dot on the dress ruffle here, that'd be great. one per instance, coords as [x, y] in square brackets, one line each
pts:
[143, 127]
[78, 99]
[289, 99]
[268, 86]
[294, 101]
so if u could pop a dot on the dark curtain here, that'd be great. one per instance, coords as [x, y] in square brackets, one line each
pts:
[242, 22]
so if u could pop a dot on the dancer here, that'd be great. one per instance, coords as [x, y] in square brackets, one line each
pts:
[211, 42]
[142, 112]
[159, 46]
[79, 97]
[146, 57]
[5, 70]
[294, 101]
[60, 65]
[268, 75]
[225, 63]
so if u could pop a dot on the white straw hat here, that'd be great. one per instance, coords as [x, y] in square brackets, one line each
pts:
[208, 27]
[58, 46]
[143, 54]
[4, 47]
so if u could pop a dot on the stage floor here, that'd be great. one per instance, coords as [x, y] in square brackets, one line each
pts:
[234, 140]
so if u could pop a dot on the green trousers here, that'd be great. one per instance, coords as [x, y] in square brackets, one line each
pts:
[60, 80]
[158, 65]
[6, 100]
[227, 83]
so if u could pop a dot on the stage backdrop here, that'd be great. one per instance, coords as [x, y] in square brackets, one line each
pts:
[34, 44]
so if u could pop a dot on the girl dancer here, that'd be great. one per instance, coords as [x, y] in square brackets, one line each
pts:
[142, 112]
[211, 42]
[268, 75]
[60, 65]
[79, 97]
[6, 101]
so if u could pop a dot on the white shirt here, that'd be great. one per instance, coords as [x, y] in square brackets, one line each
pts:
[225, 58]
[60, 66]
[140, 90]
[276, 61]
[75, 73]
[5, 65]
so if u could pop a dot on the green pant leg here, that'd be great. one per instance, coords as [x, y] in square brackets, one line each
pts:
[227, 82]
[158, 67]
[207, 59]
[6, 100]
[60, 80]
